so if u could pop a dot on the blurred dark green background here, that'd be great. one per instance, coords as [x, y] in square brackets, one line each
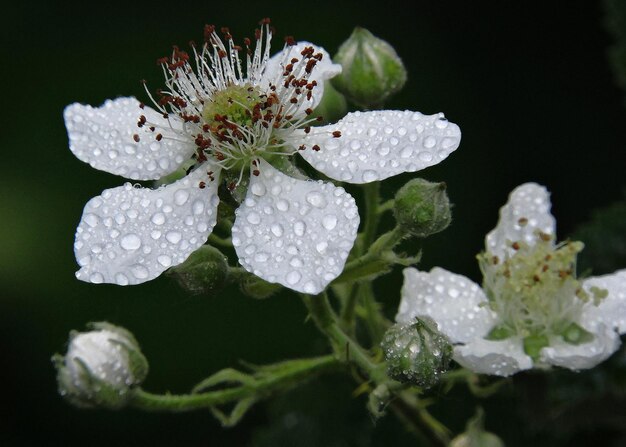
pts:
[529, 83]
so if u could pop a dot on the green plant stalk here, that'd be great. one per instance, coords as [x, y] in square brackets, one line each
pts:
[406, 405]
[259, 388]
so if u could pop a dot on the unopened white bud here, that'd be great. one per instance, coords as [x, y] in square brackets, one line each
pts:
[101, 367]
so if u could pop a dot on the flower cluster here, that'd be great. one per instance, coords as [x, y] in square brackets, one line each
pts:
[532, 310]
[235, 127]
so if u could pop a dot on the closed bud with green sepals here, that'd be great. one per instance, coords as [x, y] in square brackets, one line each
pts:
[416, 353]
[422, 208]
[101, 367]
[372, 70]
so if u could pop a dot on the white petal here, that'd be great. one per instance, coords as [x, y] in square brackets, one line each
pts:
[103, 137]
[323, 70]
[527, 210]
[294, 232]
[131, 235]
[379, 144]
[498, 358]
[453, 301]
[583, 356]
[612, 309]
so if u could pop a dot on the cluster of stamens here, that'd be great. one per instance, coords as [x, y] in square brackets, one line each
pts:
[235, 116]
[535, 292]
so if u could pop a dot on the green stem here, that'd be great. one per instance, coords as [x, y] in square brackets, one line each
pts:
[407, 406]
[372, 199]
[214, 239]
[261, 387]
[378, 258]
[376, 322]
[386, 206]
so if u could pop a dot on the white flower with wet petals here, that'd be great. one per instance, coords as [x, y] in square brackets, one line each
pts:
[237, 124]
[532, 311]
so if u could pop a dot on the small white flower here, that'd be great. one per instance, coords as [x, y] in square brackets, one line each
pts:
[235, 124]
[531, 311]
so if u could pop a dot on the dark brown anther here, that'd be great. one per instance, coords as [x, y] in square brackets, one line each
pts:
[256, 172]
[257, 34]
[136, 138]
[495, 260]
[307, 129]
[294, 100]
[152, 128]
[536, 278]
[246, 41]
[545, 237]
[222, 53]
[316, 148]
[522, 221]
[544, 268]
[142, 105]
[159, 137]
[336, 134]
[290, 41]
[319, 118]
[294, 60]
[515, 246]
[202, 185]
[301, 147]
[308, 111]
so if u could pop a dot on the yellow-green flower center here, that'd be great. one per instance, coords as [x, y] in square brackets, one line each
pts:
[535, 293]
[235, 104]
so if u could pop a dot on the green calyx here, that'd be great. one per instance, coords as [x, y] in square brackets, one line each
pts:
[422, 208]
[536, 295]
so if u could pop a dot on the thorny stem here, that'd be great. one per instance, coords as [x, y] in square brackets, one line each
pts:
[261, 387]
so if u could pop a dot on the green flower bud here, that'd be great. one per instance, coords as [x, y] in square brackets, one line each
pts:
[416, 353]
[204, 272]
[475, 435]
[101, 367]
[372, 70]
[422, 208]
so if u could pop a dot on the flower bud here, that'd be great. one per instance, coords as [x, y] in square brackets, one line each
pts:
[101, 367]
[204, 272]
[416, 353]
[422, 208]
[475, 435]
[372, 70]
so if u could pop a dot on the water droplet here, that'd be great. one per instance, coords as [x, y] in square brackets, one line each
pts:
[198, 207]
[164, 260]
[253, 218]
[310, 287]
[329, 221]
[173, 237]
[383, 150]
[139, 271]
[91, 220]
[454, 293]
[430, 142]
[277, 229]
[296, 262]
[321, 247]
[293, 277]
[96, 278]
[121, 279]
[261, 256]
[370, 176]
[158, 218]
[258, 189]
[130, 242]
[299, 228]
[181, 196]
[316, 199]
[406, 152]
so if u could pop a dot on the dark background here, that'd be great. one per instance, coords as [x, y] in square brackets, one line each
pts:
[528, 82]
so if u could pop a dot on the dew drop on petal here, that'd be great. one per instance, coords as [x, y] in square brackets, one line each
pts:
[329, 221]
[130, 242]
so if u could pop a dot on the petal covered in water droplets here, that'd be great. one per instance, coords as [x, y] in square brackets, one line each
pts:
[130, 235]
[294, 232]
[109, 139]
[365, 147]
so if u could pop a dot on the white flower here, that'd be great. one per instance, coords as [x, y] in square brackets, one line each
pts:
[531, 311]
[235, 124]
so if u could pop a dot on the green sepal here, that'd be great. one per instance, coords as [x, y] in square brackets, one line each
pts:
[500, 333]
[575, 334]
[534, 343]
[239, 410]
